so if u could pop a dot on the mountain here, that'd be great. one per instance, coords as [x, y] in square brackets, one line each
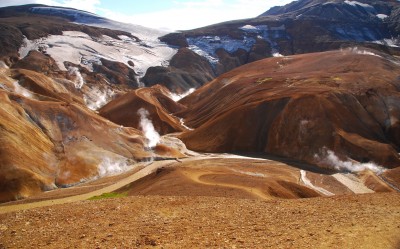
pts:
[294, 83]
[300, 27]
[55, 73]
[300, 102]
[304, 107]
[66, 40]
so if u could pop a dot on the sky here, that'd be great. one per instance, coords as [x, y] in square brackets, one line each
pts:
[165, 14]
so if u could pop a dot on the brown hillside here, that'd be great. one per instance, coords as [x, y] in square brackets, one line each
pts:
[50, 139]
[124, 110]
[298, 106]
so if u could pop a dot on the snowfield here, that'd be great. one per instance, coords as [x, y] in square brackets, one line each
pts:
[80, 48]
[207, 46]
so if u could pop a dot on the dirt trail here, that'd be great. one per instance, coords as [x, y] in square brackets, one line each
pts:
[148, 169]
[196, 177]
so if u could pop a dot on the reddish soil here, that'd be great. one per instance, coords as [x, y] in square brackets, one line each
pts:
[361, 221]
[184, 203]
[298, 106]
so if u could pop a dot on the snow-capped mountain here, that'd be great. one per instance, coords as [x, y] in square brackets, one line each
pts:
[142, 48]
[300, 27]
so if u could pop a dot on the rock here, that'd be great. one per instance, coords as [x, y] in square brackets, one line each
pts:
[38, 62]
[117, 73]
[186, 70]
[175, 39]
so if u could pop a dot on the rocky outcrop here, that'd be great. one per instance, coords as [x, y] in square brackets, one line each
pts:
[38, 62]
[186, 70]
[117, 73]
[175, 39]
[302, 107]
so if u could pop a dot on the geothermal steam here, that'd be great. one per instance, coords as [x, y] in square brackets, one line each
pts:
[79, 81]
[109, 167]
[18, 89]
[329, 158]
[96, 98]
[356, 50]
[148, 128]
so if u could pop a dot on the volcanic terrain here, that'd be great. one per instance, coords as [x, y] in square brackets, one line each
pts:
[279, 131]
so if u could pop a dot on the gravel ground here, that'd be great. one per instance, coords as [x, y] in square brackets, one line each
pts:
[356, 221]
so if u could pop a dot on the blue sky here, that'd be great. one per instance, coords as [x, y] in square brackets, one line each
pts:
[164, 14]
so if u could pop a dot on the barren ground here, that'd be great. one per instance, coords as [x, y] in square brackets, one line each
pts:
[184, 204]
[358, 221]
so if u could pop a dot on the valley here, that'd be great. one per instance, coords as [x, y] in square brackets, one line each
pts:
[246, 195]
[277, 131]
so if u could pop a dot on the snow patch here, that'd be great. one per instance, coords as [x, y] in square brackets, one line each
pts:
[256, 174]
[182, 122]
[176, 97]
[204, 54]
[18, 89]
[382, 16]
[207, 45]
[355, 4]
[232, 156]
[329, 158]
[3, 65]
[79, 48]
[269, 34]
[308, 183]
[393, 42]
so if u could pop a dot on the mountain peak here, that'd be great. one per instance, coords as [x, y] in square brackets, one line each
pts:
[334, 9]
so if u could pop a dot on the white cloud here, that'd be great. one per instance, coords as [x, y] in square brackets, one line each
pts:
[181, 16]
[88, 5]
[4, 3]
[189, 15]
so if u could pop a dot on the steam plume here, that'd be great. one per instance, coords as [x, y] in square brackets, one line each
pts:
[356, 50]
[329, 158]
[79, 81]
[109, 167]
[148, 128]
[96, 98]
